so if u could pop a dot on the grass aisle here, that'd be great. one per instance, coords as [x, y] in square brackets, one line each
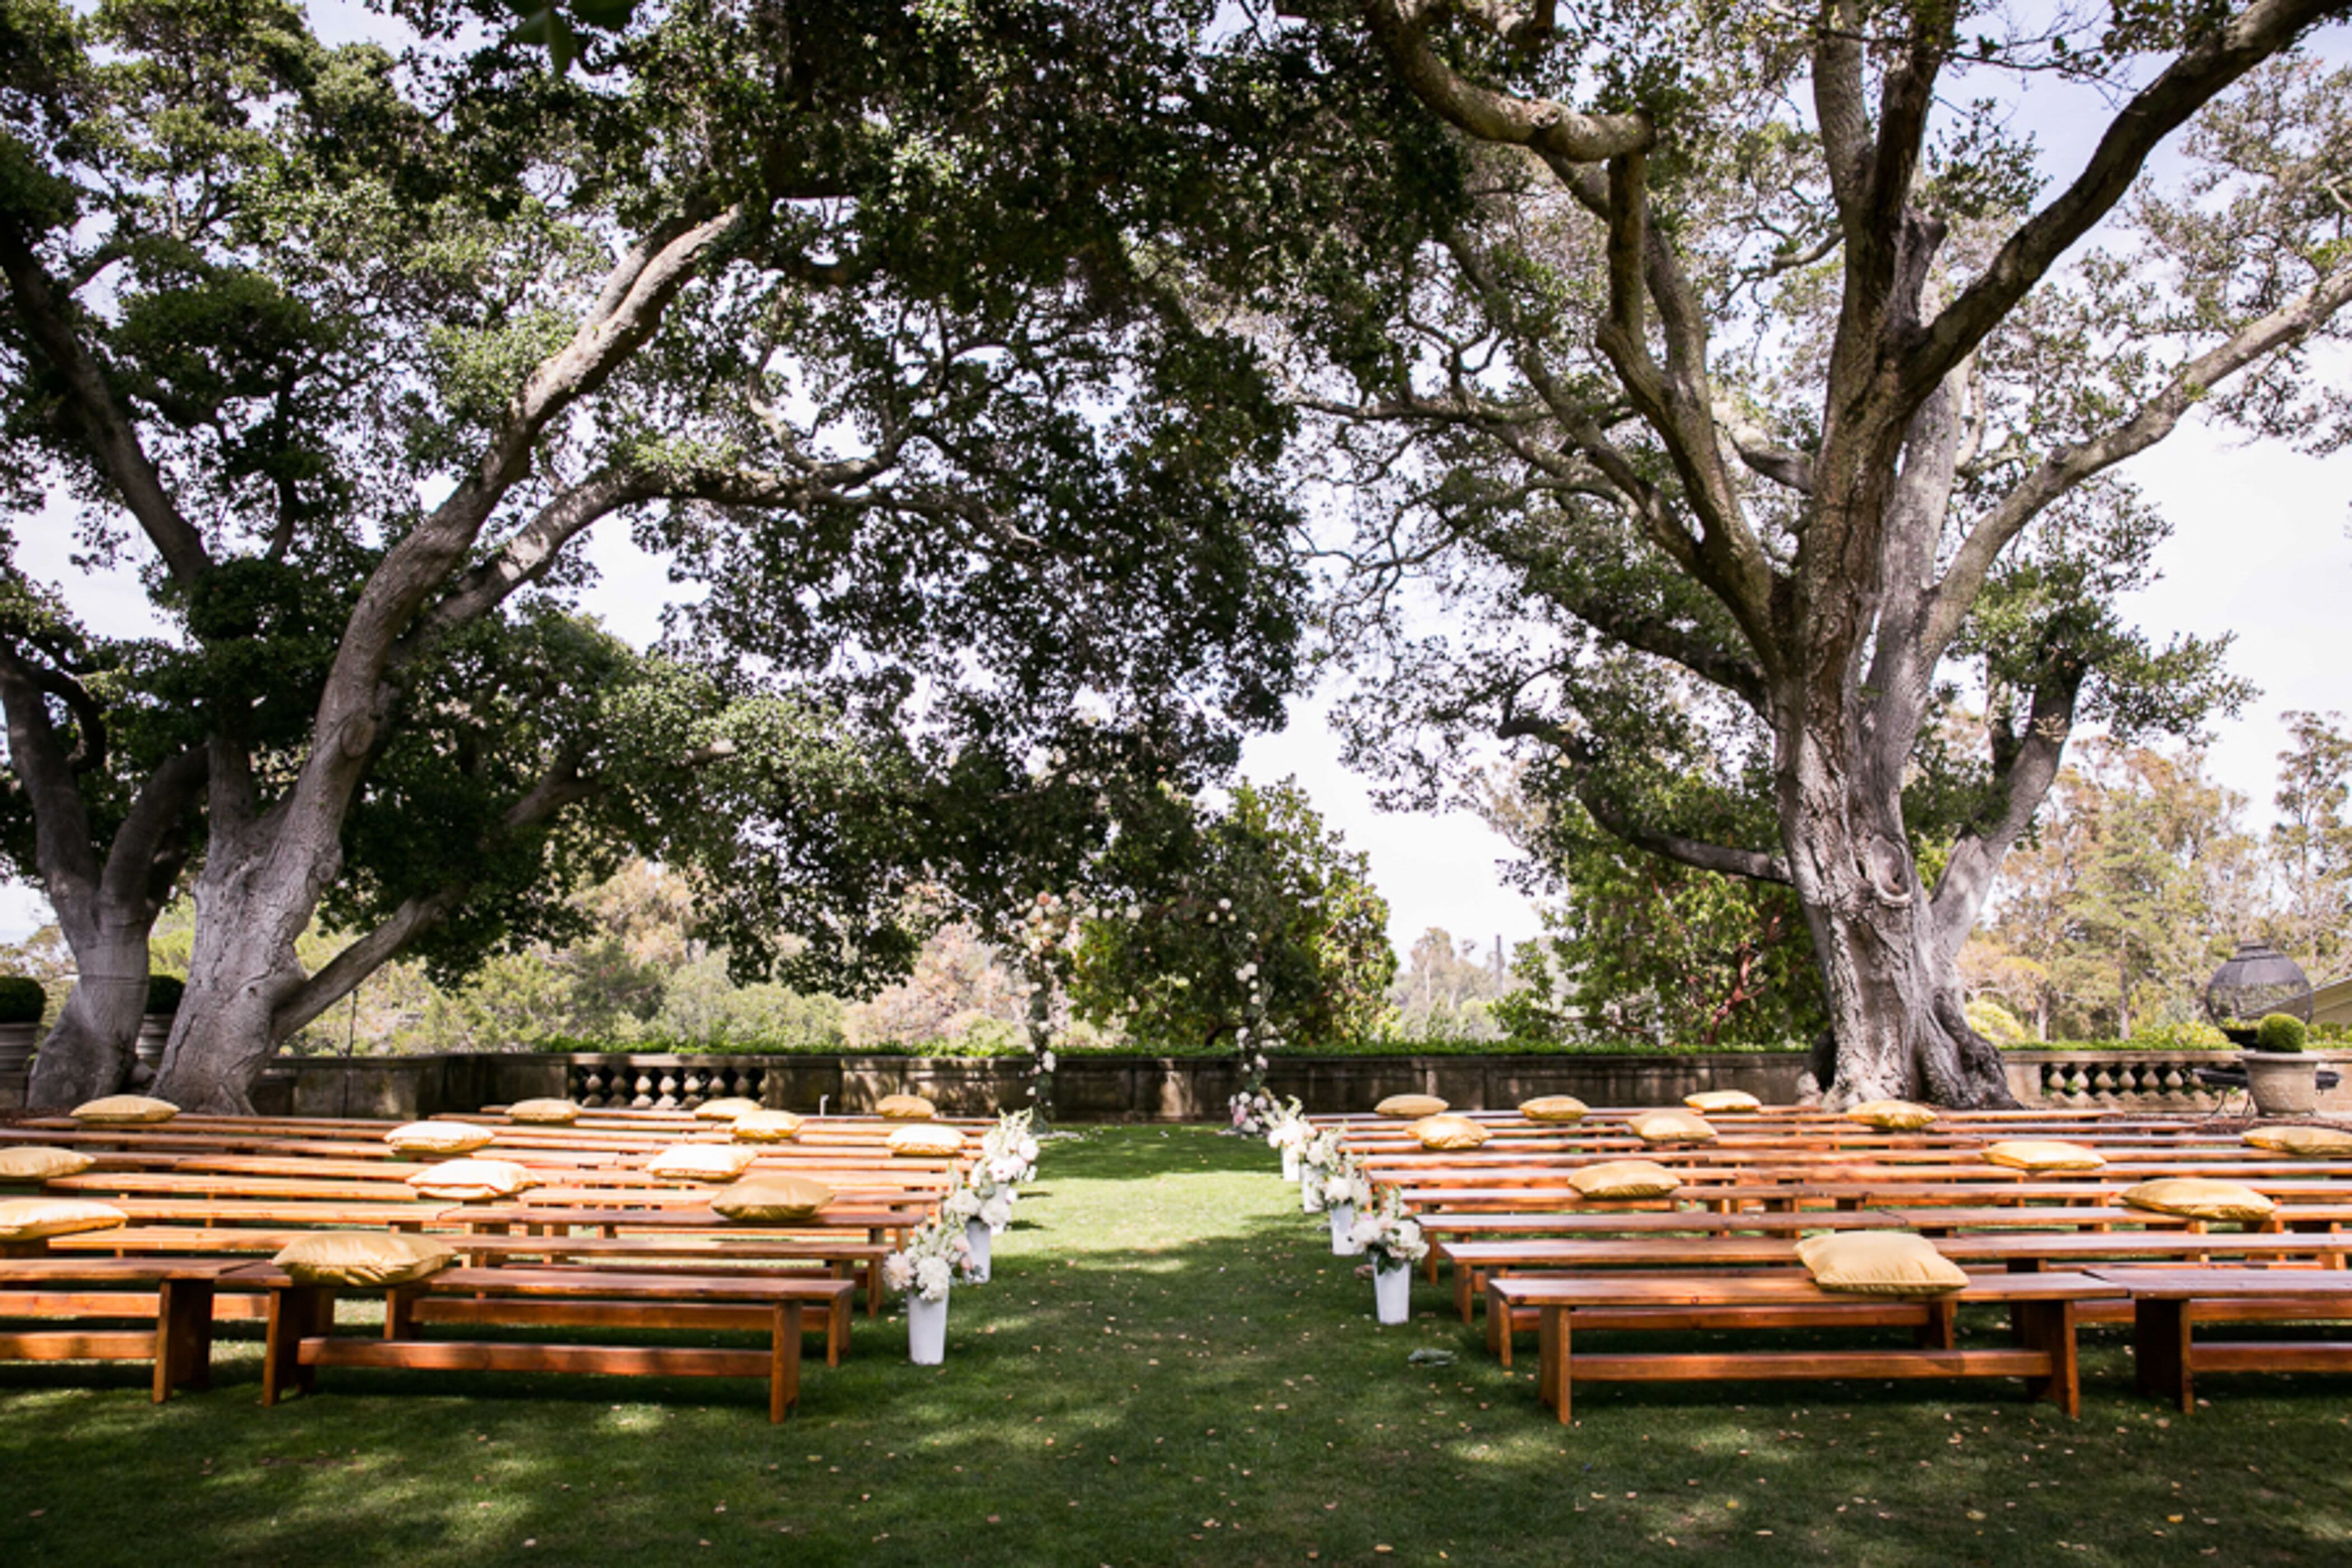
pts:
[1170, 1368]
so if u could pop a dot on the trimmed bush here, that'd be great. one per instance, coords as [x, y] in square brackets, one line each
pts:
[2281, 1032]
[22, 1001]
[164, 993]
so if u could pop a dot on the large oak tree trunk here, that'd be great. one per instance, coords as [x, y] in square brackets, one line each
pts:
[1889, 978]
[88, 1051]
[254, 899]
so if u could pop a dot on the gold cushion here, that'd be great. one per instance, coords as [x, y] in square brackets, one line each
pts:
[773, 1197]
[1554, 1108]
[1880, 1263]
[1448, 1132]
[1624, 1179]
[124, 1111]
[543, 1112]
[701, 1163]
[438, 1138]
[38, 1163]
[2316, 1140]
[2198, 1197]
[30, 1219]
[1411, 1106]
[1721, 1101]
[767, 1127]
[472, 1181]
[726, 1110]
[363, 1257]
[904, 1108]
[933, 1140]
[1892, 1115]
[2044, 1155]
[1670, 1127]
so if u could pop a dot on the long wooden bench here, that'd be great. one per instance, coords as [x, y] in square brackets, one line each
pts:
[302, 1324]
[175, 1294]
[2168, 1304]
[2044, 1307]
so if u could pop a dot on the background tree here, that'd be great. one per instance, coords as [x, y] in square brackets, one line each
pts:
[1255, 929]
[1446, 990]
[853, 311]
[1726, 341]
[2311, 844]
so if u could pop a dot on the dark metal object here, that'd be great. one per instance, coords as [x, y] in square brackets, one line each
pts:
[2257, 981]
[2235, 1078]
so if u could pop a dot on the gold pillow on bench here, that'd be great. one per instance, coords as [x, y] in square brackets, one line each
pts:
[726, 1110]
[30, 1219]
[1670, 1127]
[904, 1108]
[438, 1138]
[1624, 1179]
[1880, 1263]
[1411, 1106]
[363, 1257]
[2314, 1141]
[767, 1127]
[38, 1163]
[1448, 1132]
[1721, 1101]
[543, 1112]
[124, 1111]
[931, 1140]
[473, 1181]
[701, 1163]
[772, 1198]
[1554, 1108]
[2199, 1197]
[1892, 1115]
[2044, 1155]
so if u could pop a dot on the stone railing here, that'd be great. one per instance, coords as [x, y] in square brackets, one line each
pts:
[1158, 1088]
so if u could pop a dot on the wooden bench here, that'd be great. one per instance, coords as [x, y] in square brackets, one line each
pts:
[302, 1324]
[2167, 1303]
[176, 1293]
[2043, 1305]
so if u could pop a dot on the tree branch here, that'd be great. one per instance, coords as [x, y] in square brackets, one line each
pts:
[1401, 28]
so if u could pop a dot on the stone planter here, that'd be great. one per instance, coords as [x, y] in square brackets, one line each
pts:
[16, 1043]
[2283, 1083]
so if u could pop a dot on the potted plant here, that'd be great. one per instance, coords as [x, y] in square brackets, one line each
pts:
[164, 993]
[22, 1003]
[923, 1271]
[2283, 1080]
[1394, 1243]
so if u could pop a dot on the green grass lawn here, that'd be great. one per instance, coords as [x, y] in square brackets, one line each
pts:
[1170, 1367]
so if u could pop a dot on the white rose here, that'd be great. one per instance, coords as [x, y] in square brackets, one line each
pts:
[996, 1213]
[1224, 903]
[897, 1272]
[932, 1277]
[1365, 1231]
[1045, 1061]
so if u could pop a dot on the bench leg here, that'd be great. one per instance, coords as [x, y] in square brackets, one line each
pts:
[184, 1336]
[836, 1330]
[400, 1310]
[1466, 1291]
[296, 1311]
[784, 1361]
[1551, 1360]
[1940, 1330]
[2160, 1351]
[1498, 1330]
[2050, 1327]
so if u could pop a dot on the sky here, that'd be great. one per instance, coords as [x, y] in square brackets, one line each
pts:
[2260, 552]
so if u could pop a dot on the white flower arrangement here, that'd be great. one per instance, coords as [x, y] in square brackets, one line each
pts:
[1287, 1129]
[935, 1256]
[1383, 1233]
[1008, 1158]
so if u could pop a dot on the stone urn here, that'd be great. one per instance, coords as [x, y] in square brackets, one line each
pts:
[16, 1043]
[2282, 1083]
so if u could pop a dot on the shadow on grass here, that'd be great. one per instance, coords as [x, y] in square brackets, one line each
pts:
[1170, 1367]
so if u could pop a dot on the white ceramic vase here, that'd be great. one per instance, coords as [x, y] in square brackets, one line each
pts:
[1310, 1193]
[1290, 1164]
[1343, 1220]
[927, 1330]
[978, 1236]
[1392, 1291]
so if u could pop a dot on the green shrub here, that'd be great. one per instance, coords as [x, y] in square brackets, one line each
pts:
[22, 1001]
[164, 993]
[2182, 1034]
[1995, 1022]
[2281, 1032]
